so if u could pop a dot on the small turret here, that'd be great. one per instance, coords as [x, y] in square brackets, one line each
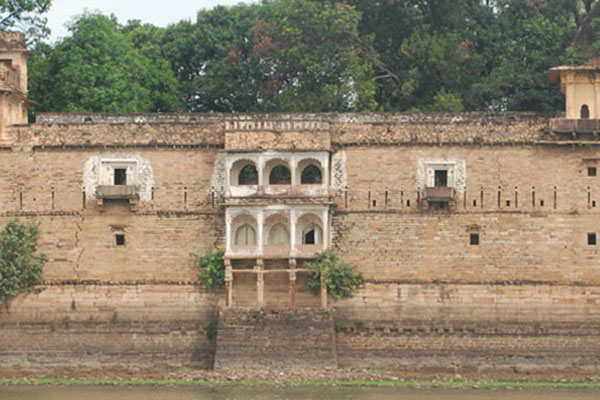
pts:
[14, 102]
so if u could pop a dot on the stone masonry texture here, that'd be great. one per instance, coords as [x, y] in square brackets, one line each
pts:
[527, 296]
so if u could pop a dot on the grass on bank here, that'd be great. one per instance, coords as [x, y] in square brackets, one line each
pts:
[205, 383]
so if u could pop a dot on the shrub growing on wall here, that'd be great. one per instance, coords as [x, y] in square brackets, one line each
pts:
[341, 278]
[212, 268]
[20, 265]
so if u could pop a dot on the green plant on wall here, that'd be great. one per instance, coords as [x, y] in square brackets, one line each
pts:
[341, 278]
[212, 268]
[20, 265]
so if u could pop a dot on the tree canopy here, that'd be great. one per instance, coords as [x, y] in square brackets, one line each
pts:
[104, 67]
[322, 55]
[25, 16]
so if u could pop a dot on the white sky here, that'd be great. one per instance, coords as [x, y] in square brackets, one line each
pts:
[157, 12]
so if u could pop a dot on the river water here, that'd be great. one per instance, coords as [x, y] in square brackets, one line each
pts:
[152, 393]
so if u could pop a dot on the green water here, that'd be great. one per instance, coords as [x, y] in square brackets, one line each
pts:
[151, 393]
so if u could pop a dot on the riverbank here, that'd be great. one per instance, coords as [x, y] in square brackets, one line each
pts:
[308, 378]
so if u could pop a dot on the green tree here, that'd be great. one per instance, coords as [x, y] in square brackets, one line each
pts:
[212, 268]
[287, 55]
[99, 69]
[20, 265]
[25, 16]
[342, 279]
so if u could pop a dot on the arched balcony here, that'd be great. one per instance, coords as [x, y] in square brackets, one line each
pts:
[309, 234]
[243, 178]
[279, 176]
[304, 174]
[277, 233]
[243, 237]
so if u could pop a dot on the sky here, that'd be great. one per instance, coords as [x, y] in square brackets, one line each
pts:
[160, 13]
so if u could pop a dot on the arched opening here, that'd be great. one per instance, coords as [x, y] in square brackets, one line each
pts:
[279, 235]
[311, 175]
[245, 236]
[585, 112]
[248, 175]
[313, 234]
[280, 175]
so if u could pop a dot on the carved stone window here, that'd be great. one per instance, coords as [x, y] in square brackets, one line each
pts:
[245, 236]
[279, 235]
[313, 234]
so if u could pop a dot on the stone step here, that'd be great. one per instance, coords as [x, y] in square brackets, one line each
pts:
[276, 339]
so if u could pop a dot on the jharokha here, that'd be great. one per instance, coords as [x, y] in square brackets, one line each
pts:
[477, 235]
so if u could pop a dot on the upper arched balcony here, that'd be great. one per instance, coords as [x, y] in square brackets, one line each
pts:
[278, 174]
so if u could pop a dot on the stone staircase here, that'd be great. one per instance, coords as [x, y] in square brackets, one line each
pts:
[275, 339]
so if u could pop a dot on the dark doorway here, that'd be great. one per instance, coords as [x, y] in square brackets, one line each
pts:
[441, 178]
[311, 175]
[309, 237]
[120, 176]
[585, 112]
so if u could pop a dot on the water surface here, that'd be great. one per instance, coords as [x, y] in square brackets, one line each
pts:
[244, 393]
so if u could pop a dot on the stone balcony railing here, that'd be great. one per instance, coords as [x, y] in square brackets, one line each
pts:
[439, 193]
[574, 126]
[315, 190]
[275, 251]
[117, 192]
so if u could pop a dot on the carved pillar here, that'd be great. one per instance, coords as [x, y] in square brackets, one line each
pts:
[293, 233]
[228, 283]
[260, 223]
[260, 283]
[294, 173]
[260, 167]
[228, 233]
[292, 283]
[325, 219]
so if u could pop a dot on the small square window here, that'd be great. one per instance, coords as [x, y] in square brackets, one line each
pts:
[592, 171]
[120, 239]
[592, 239]
[474, 239]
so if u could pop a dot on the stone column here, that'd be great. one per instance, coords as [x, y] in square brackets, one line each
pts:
[260, 166]
[260, 223]
[596, 113]
[260, 283]
[293, 218]
[228, 233]
[294, 173]
[228, 283]
[292, 283]
[572, 111]
[325, 220]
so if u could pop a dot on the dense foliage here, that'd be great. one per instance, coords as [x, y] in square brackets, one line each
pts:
[341, 278]
[322, 55]
[25, 16]
[20, 265]
[212, 268]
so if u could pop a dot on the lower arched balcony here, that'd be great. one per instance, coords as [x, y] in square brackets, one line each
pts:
[244, 236]
[276, 233]
[309, 234]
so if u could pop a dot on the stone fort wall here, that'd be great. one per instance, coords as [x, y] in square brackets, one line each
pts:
[530, 286]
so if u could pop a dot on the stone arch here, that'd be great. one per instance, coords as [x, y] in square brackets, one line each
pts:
[585, 112]
[309, 230]
[244, 230]
[309, 172]
[278, 172]
[244, 172]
